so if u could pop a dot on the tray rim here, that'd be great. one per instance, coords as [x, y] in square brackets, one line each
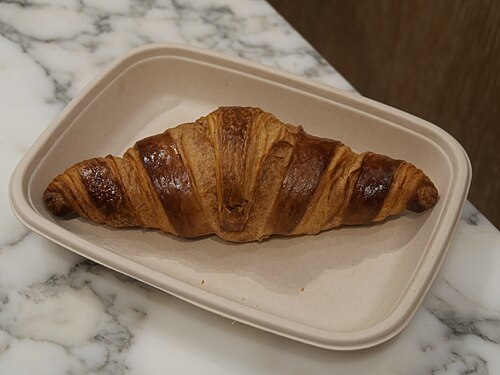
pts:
[371, 336]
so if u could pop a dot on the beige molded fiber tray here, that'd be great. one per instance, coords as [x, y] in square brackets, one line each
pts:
[345, 289]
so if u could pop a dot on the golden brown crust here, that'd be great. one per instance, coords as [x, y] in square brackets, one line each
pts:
[232, 137]
[371, 188]
[102, 186]
[310, 159]
[170, 178]
[424, 197]
[56, 202]
[242, 174]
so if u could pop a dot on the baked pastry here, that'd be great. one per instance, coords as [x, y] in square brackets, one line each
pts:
[242, 174]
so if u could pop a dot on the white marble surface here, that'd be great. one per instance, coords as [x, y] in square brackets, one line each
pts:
[60, 314]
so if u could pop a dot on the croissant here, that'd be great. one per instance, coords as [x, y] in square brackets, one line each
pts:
[242, 174]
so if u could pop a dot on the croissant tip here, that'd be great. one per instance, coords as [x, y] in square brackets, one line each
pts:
[56, 202]
[425, 197]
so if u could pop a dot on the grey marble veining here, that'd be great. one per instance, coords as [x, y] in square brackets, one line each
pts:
[96, 32]
[61, 314]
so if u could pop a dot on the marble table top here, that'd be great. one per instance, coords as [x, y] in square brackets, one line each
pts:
[62, 314]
